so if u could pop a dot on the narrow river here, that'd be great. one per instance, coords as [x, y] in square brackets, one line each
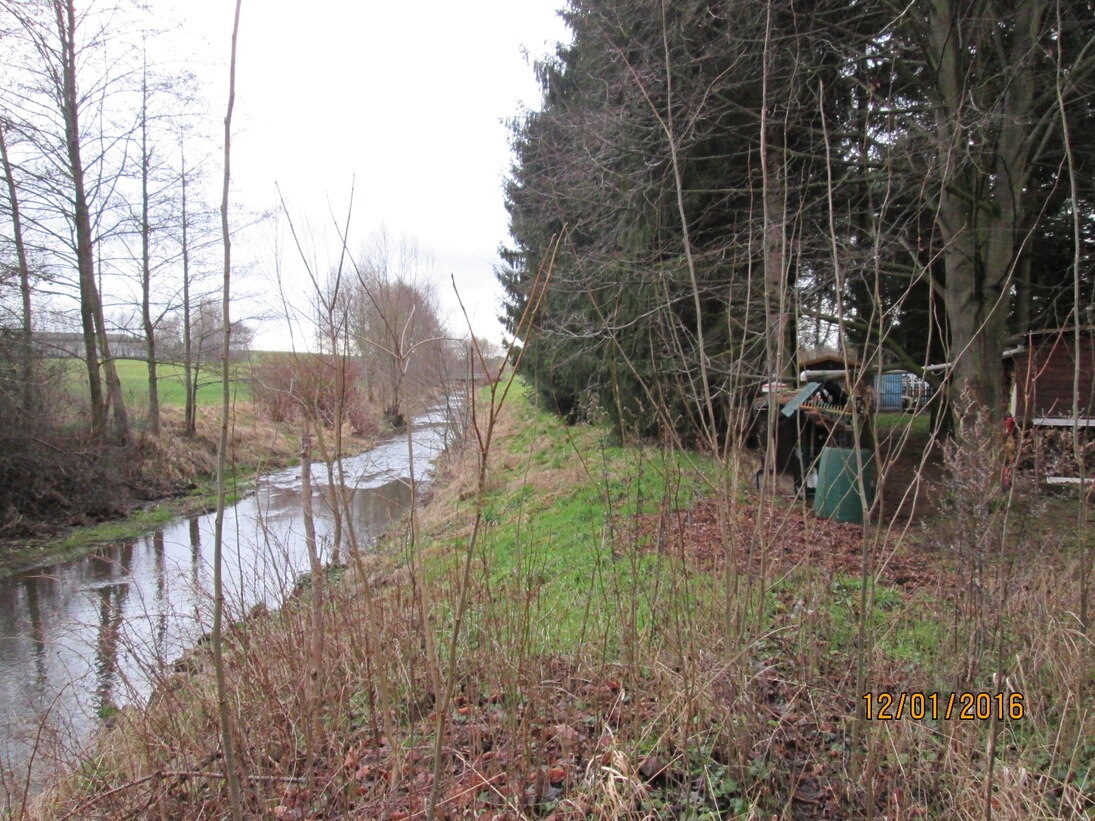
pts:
[81, 638]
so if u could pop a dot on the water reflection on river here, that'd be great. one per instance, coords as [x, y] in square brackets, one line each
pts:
[79, 638]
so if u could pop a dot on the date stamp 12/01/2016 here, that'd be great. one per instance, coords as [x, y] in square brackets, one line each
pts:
[886, 706]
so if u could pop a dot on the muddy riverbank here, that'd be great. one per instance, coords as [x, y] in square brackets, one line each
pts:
[158, 480]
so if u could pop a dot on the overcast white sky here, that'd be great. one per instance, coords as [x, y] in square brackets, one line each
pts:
[409, 97]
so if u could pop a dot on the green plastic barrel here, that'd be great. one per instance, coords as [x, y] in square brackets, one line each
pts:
[838, 489]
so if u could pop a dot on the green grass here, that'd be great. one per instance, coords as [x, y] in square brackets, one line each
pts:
[904, 634]
[133, 374]
[551, 544]
[147, 520]
[919, 424]
[79, 540]
[119, 530]
[562, 571]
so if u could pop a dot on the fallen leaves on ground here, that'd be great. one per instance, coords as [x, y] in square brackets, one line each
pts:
[784, 538]
[571, 747]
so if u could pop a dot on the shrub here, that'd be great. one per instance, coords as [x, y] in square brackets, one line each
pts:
[48, 470]
[290, 386]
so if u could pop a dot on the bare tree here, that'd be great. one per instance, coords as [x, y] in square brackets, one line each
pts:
[54, 98]
[396, 322]
[188, 334]
[224, 714]
[23, 267]
[145, 229]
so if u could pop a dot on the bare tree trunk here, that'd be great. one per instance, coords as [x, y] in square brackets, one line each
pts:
[1022, 297]
[337, 486]
[146, 269]
[226, 726]
[775, 278]
[190, 423]
[24, 274]
[772, 250]
[91, 308]
[1083, 498]
[113, 384]
[313, 680]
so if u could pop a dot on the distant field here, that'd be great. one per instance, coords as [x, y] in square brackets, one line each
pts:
[134, 376]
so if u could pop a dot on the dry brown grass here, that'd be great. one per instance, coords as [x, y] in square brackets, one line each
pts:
[255, 442]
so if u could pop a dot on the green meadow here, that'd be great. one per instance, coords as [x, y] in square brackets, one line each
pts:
[133, 374]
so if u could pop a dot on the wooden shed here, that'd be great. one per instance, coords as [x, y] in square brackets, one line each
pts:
[1040, 374]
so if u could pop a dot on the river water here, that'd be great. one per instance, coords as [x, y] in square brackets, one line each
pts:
[81, 638]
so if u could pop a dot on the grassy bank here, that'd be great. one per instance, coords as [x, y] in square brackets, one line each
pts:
[626, 632]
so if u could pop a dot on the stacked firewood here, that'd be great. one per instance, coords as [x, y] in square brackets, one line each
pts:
[1050, 451]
